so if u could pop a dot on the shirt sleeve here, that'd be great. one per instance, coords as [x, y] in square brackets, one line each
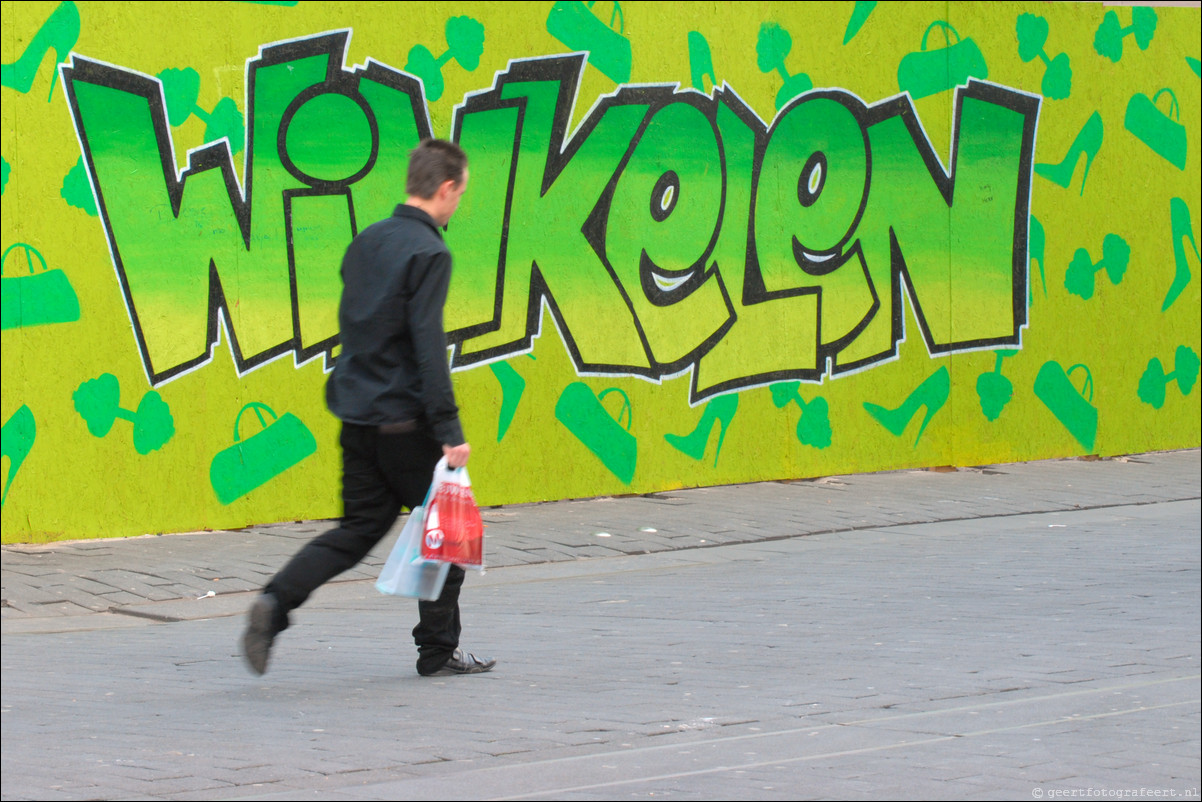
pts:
[431, 277]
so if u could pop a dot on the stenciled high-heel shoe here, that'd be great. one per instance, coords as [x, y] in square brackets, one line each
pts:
[59, 33]
[701, 62]
[16, 441]
[1088, 141]
[859, 15]
[932, 394]
[719, 410]
[1183, 229]
[512, 387]
[1035, 250]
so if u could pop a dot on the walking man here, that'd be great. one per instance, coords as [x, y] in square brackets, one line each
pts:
[391, 388]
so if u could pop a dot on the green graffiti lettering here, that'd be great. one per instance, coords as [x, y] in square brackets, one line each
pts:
[478, 230]
[671, 231]
[163, 239]
[739, 358]
[959, 241]
[660, 230]
[401, 122]
[190, 249]
[319, 226]
[551, 195]
[812, 188]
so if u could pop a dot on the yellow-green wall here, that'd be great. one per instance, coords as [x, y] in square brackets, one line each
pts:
[121, 388]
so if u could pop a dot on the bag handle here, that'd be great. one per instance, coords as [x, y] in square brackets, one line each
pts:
[442, 470]
[1088, 385]
[256, 406]
[626, 408]
[1174, 109]
[617, 14]
[946, 27]
[28, 250]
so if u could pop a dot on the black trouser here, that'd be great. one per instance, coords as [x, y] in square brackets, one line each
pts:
[381, 473]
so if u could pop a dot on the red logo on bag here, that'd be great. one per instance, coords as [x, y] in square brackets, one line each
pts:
[434, 539]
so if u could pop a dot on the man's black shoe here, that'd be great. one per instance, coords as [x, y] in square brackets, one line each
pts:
[260, 633]
[461, 663]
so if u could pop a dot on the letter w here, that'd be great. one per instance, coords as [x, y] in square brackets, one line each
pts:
[181, 257]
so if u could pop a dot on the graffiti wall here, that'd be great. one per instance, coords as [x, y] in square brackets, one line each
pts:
[702, 243]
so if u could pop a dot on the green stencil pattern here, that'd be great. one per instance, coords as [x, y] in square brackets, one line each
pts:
[1160, 131]
[1087, 143]
[465, 43]
[1035, 248]
[772, 47]
[1182, 229]
[1116, 255]
[59, 33]
[931, 394]
[36, 297]
[814, 423]
[701, 61]
[98, 402]
[993, 389]
[1154, 381]
[182, 88]
[77, 190]
[584, 415]
[719, 411]
[253, 461]
[16, 441]
[928, 72]
[1108, 41]
[1032, 32]
[513, 386]
[859, 15]
[1072, 407]
[574, 24]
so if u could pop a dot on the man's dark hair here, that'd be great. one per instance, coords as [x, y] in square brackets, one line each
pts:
[431, 163]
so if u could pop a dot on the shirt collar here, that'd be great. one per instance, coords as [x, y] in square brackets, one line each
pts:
[414, 213]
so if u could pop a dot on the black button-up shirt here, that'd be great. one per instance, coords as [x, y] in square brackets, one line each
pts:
[393, 364]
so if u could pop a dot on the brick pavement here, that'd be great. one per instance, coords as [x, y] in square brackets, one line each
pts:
[1016, 631]
[131, 574]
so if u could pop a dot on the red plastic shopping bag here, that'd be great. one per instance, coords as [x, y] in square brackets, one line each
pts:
[454, 532]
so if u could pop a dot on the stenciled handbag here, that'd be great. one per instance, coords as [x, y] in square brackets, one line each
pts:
[1163, 133]
[575, 25]
[249, 463]
[1070, 406]
[928, 72]
[585, 416]
[37, 299]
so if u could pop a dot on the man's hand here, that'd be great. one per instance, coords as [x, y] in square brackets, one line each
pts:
[456, 455]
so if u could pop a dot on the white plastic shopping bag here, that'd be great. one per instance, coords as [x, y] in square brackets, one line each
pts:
[406, 572]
